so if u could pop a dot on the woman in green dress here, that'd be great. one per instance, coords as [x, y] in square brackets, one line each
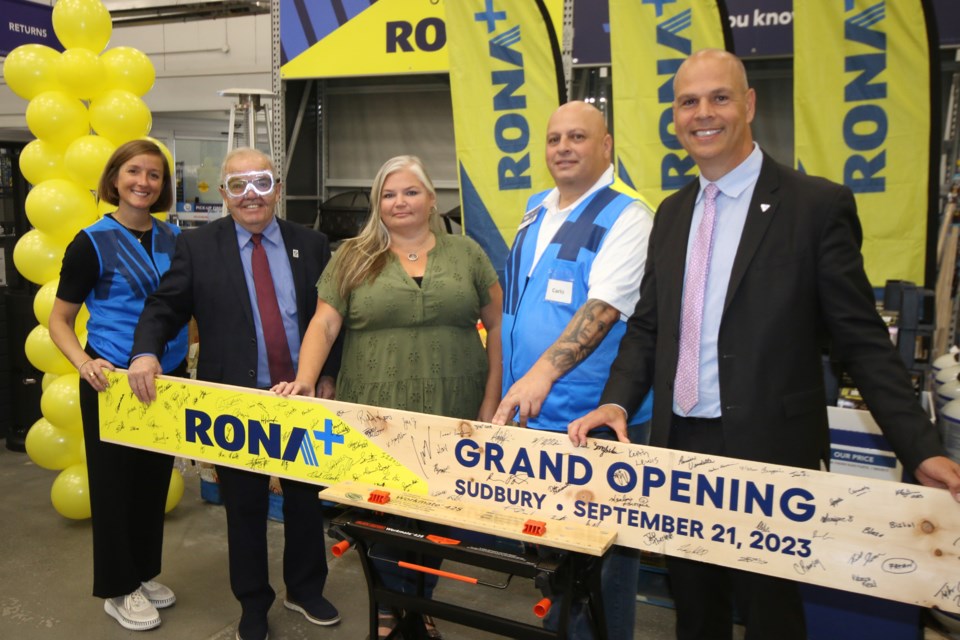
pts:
[408, 296]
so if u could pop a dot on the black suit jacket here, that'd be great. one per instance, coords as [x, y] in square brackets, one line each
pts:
[206, 281]
[797, 283]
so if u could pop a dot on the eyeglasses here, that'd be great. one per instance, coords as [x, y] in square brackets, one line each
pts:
[236, 185]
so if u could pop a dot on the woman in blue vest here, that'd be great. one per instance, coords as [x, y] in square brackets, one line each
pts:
[112, 266]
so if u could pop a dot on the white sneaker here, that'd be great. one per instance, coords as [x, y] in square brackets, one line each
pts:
[133, 611]
[159, 595]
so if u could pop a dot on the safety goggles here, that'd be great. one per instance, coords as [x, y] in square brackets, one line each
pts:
[236, 185]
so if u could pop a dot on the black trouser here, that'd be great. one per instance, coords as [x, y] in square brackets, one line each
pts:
[246, 498]
[705, 594]
[128, 494]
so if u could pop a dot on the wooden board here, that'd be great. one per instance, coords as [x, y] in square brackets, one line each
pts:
[867, 536]
[571, 536]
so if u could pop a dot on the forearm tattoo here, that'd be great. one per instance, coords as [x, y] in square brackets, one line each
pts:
[587, 329]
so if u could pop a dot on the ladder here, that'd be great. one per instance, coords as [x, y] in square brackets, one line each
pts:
[245, 119]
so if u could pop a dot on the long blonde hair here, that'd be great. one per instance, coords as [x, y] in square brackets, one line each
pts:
[365, 256]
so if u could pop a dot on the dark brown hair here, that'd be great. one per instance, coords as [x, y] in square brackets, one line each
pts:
[107, 190]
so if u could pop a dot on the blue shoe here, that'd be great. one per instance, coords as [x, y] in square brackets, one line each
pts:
[323, 613]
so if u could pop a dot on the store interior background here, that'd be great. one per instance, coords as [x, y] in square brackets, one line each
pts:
[351, 125]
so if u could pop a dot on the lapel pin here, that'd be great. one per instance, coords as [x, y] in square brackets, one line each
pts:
[296, 252]
[764, 207]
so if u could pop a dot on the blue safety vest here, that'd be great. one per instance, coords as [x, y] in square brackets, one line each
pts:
[127, 277]
[537, 309]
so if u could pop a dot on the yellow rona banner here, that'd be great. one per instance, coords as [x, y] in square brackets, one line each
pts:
[862, 115]
[648, 42]
[255, 431]
[389, 37]
[505, 79]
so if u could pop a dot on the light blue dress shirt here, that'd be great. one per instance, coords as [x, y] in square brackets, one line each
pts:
[733, 201]
[286, 293]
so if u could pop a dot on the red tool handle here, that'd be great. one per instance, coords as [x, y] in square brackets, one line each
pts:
[340, 548]
[437, 572]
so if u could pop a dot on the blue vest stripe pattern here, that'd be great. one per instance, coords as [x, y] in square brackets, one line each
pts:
[584, 233]
[127, 277]
[138, 275]
[512, 297]
[536, 309]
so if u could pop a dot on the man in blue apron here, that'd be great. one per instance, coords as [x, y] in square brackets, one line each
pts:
[572, 279]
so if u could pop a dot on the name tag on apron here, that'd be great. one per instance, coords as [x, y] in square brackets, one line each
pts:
[559, 291]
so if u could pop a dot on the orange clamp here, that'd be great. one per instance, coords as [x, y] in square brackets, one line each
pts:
[379, 496]
[340, 548]
[441, 539]
[534, 527]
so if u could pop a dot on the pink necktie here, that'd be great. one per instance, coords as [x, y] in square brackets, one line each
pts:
[687, 382]
[274, 335]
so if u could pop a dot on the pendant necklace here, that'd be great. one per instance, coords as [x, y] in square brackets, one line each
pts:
[136, 232]
[413, 256]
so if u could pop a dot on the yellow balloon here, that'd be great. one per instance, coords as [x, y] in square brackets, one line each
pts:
[81, 73]
[60, 208]
[31, 69]
[82, 23]
[80, 325]
[128, 69]
[41, 161]
[55, 117]
[44, 355]
[38, 255]
[174, 492]
[165, 151]
[85, 159]
[120, 116]
[50, 447]
[43, 302]
[70, 492]
[60, 403]
[48, 378]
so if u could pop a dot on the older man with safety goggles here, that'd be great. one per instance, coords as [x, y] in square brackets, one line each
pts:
[249, 189]
[250, 282]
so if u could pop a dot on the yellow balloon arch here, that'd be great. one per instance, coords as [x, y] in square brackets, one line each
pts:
[83, 103]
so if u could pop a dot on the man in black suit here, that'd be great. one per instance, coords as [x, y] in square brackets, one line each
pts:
[214, 278]
[738, 367]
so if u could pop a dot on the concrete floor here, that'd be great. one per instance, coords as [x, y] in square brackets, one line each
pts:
[45, 576]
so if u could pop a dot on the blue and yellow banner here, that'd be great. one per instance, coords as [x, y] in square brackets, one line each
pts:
[331, 38]
[649, 41]
[506, 80]
[863, 118]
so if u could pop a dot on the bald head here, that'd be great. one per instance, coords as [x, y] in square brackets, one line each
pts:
[578, 149]
[585, 114]
[732, 65]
